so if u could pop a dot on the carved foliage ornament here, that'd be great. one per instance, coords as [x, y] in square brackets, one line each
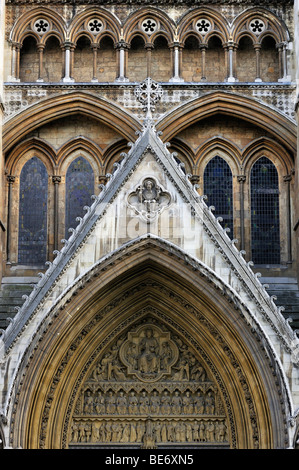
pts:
[149, 199]
[149, 389]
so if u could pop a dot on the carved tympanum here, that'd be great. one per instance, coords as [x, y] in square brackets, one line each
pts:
[149, 389]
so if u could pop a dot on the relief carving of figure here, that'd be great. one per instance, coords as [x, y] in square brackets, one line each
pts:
[182, 371]
[155, 402]
[133, 403]
[88, 403]
[144, 403]
[132, 355]
[110, 403]
[121, 403]
[166, 355]
[149, 353]
[210, 404]
[187, 403]
[165, 403]
[149, 198]
[99, 403]
[176, 403]
[199, 403]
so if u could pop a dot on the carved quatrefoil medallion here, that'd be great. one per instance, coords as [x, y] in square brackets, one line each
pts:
[149, 199]
[149, 353]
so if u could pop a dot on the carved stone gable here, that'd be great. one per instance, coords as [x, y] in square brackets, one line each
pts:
[149, 389]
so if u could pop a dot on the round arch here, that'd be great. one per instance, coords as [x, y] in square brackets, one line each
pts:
[151, 279]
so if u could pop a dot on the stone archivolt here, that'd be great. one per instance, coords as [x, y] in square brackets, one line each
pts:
[149, 389]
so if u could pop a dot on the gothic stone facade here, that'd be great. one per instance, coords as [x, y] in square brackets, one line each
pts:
[148, 197]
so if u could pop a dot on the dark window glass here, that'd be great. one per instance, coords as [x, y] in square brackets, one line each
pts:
[33, 213]
[79, 189]
[218, 187]
[265, 238]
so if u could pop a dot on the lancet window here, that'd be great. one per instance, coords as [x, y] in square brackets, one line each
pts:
[265, 233]
[219, 190]
[32, 243]
[79, 189]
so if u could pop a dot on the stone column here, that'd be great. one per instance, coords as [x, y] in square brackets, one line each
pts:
[241, 180]
[230, 48]
[15, 61]
[95, 48]
[203, 48]
[122, 50]
[10, 179]
[149, 47]
[67, 47]
[176, 50]
[40, 48]
[287, 179]
[56, 180]
[257, 48]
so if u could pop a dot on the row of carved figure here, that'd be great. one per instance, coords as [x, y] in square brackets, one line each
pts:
[149, 404]
[161, 431]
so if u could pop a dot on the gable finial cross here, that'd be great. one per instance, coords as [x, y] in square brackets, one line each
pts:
[148, 93]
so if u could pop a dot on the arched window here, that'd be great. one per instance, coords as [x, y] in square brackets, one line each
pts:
[32, 248]
[218, 187]
[79, 185]
[265, 237]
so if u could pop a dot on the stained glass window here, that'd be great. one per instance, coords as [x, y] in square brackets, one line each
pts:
[265, 236]
[79, 189]
[218, 187]
[33, 213]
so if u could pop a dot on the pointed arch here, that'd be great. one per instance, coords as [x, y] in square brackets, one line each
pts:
[101, 306]
[73, 103]
[231, 105]
[133, 25]
[25, 25]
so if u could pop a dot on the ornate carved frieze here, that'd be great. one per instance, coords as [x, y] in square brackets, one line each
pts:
[19, 97]
[149, 389]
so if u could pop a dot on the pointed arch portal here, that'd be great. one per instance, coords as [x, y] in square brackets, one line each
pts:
[82, 354]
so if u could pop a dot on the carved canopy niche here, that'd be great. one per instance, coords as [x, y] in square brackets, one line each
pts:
[149, 389]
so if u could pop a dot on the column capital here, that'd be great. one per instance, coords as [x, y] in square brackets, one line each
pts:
[40, 46]
[176, 44]
[149, 46]
[230, 45]
[122, 45]
[68, 45]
